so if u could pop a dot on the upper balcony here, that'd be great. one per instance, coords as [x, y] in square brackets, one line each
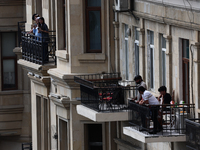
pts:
[37, 53]
[170, 119]
[103, 97]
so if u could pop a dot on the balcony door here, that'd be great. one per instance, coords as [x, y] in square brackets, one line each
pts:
[93, 137]
[185, 70]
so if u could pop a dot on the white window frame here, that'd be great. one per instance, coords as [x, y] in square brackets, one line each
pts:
[164, 76]
[151, 46]
[126, 39]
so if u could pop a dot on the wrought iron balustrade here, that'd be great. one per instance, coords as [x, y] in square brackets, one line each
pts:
[39, 50]
[21, 27]
[104, 92]
[170, 118]
[193, 134]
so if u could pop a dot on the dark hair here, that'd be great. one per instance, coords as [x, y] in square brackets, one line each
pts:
[137, 77]
[141, 88]
[42, 19]
[33, 17]
[162, 88]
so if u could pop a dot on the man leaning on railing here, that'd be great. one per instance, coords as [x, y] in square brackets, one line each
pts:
[148, 98]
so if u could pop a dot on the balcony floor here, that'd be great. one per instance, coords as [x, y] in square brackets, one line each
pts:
[151, 138]
[91, 114]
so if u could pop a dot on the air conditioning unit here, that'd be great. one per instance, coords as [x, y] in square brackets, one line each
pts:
[123, 5]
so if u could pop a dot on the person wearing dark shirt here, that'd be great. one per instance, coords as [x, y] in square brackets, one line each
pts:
[45, 38]
[166, 97]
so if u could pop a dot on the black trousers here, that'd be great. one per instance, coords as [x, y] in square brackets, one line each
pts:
[154, 116]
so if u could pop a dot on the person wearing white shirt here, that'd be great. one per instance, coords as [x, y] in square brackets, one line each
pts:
[148, 98]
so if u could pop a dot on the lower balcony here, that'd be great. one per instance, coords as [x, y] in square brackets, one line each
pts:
[193, 134]
[103, 97]
[160, 123]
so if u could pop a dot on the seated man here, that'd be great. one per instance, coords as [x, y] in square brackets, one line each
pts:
[166, 97]
[148, 98]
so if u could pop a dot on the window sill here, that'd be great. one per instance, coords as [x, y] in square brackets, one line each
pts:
[62, 55]
[92, 57]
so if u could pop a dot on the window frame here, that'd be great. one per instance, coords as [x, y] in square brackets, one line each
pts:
[163, 50]
[8, 58]
[151, 53]
[185, 77]
[87, 10]
[137, 59]
[126, 39]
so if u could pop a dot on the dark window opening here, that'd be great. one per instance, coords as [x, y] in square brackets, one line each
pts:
[93, 26]
[93, 137]
[185, 65]
[9, 60]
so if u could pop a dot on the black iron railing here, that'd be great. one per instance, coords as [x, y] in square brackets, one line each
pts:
[21, 27]
[162, 119]
[39, 50]
[104, 92]
[26, 146]
[193, 134]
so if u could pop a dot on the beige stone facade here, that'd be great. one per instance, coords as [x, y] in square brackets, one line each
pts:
[59, 120]
[15, 104]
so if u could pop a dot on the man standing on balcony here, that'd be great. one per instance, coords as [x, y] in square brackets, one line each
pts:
[139, 82]
[148, 98]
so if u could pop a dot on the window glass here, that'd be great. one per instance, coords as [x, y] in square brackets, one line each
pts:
[136, 59]
[151, 37]
[186, 49]
[95, 30]
[8, 44]
[126, 28]
[163, 42]
[9, 73]
[151, 66]
[94, 3]
[163, 68]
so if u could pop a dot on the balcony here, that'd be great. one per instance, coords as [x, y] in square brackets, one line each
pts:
[103, 97]
[170, 117]
[38, 50]
[193, 134]
[35, 49]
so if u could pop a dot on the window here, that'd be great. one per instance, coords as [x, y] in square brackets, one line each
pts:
[163, 59]
[63, 135]
[151, 57]
[93, 137]
[136, 52]
[9, 61]
[64, 24]
[126, 52]
[42, 115]
[93, 26]
[185, 70]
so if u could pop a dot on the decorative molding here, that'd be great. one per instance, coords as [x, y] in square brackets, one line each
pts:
[62, 55]
[92, 58]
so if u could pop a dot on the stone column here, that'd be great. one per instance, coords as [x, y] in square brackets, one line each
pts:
[142, 53]
[196, 77]
[168, 63]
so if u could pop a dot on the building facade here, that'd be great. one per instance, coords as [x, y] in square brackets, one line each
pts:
[15, 112]
[157, 39]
